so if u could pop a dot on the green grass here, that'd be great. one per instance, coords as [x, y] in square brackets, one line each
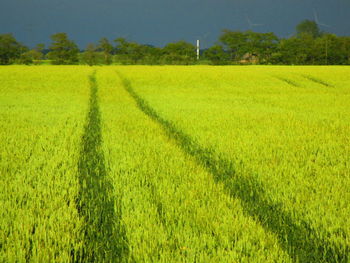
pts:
[174, 164]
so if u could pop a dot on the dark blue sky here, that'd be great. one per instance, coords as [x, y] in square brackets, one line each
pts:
[161, 21]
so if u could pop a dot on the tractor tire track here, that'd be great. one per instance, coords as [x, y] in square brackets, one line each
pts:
[289, 81]
[318, 81]
[296, 237]
[104, 237]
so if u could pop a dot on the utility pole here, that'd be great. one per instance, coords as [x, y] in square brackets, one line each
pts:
[198, 48]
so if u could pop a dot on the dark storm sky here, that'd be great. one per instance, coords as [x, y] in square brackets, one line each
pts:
[161, 21]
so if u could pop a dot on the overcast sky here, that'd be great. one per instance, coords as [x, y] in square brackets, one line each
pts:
[158, 22]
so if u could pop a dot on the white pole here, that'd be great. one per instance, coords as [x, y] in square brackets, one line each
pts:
[198, 49]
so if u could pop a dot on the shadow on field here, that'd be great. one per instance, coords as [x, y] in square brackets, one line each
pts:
[296, 237]
[103, 233]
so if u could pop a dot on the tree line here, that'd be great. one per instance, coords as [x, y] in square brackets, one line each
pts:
[308, 46]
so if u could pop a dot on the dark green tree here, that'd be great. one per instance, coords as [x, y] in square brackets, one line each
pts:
[30, 57]
[332, 50]
[345, 49]
[134, 53]
[262, 44]
[90, 55]
[40, 48]
[180, 52]
[249, 43]
[63, 50]
[217, 55]
[308, 27]
[10, 49]
[235, 43]
[126, 51]
[297, 50]
[107, 50]
[151, 54]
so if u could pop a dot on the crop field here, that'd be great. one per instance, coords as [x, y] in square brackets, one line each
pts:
[174, 164]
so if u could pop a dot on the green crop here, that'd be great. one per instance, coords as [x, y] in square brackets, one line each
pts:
[42, 114]
[174, 164]
[276, 137]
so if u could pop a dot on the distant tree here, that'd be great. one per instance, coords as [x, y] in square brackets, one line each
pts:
[262, 44]
[10, 49]
[25, 58]
[122, 45]
[107, 49]
[63, 50]
[235, 43]
[31, 56]
[180, 52]
[123, 50]
[332, 50]
[150, 55]
[238, 44]
[40, 47]
[90, 55]
[132, 52]
[345, 48]
[217, 55]
[297, 50]
[308, 27]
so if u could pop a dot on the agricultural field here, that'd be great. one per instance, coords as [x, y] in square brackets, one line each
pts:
[174, 164]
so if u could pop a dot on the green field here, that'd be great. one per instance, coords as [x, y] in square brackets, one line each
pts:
[174, 164]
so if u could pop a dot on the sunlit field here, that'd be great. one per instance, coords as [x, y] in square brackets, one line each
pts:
[174, 164]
